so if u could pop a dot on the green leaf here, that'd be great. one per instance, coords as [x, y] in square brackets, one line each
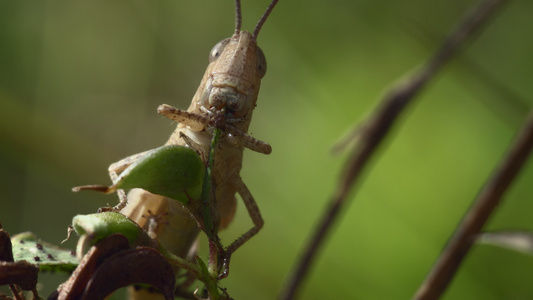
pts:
[100, 225]
[172, 171]
[95, 227]
[49, 257]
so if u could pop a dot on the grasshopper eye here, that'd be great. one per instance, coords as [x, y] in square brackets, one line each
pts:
[217, 50]
[261, 63]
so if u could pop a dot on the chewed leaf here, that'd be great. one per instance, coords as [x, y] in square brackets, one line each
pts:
[172, 171]
[520, 241]
[26, 246]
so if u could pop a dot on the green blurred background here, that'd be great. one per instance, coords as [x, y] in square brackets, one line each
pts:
[80, 82]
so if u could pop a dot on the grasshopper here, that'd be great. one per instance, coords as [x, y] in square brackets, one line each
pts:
[225, 100]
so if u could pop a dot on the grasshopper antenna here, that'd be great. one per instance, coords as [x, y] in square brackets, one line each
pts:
[238, 16]
[263, 19]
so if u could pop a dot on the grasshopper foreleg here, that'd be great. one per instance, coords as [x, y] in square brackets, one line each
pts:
[198, 122]
[193, 145]
[114, 171]
[243, 139]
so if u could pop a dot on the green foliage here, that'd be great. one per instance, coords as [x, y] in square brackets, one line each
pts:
[27, 246]
[100, 225]
[172, 171]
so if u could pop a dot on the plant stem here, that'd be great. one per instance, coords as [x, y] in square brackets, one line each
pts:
[377, 128]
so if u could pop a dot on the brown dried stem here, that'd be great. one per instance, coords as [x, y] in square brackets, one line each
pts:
[474, 220]
[375, 130]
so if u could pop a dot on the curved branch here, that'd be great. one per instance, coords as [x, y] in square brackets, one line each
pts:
[376, 129]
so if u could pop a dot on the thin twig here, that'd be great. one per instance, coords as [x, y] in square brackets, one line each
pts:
[497, 96]
[472, 223]
[375, 131]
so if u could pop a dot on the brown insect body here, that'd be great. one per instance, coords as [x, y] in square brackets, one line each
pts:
[230, 87]
[230, 82]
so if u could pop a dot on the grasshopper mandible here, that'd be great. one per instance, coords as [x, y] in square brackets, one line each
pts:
[225, 99]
